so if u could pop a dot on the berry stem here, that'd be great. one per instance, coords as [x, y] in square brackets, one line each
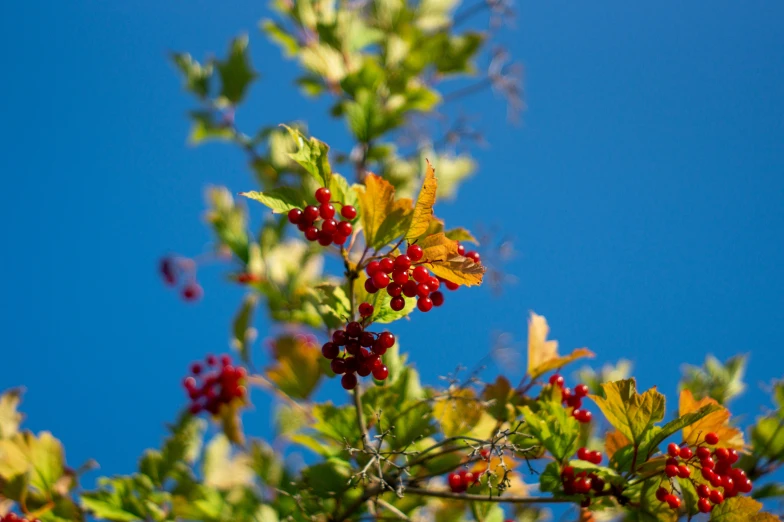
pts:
[360, 415]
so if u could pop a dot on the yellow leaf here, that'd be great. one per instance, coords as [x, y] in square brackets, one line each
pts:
[629, 412]
[383, 218]
[460, 270]
[459, 412]
[423, 211]
[437, 248]
[740, 509]
[543, 354]
[296, 370]
[221, 469]
[614, 441]
[716, 422]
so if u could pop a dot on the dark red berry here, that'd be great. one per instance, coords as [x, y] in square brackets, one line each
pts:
[425, 304]
[329, 225]
[745, 486]
[372, 268]
[311, 233]
[324, 238]
[196, 368]
[304, 224]
[402, 262]
[367, 339]
[582, 485]
[581, 390]
[673, 450]
[339, 240]
[380, 372]
[364, 369]
[345, 228]
[410, 288]
[704, 505]
[420, 274]
[595, 457]
[348, 381]
[380, 279]
[716, 497]
[414, 252]
[295, 215]
[348, 212]
[437, 298]
[387, 339]
[351, 364]
[386, 265]
[711, 438]
[210, 360]
[685, 453]
[330, 350]
[323, 195]
[397, 303]
[709, 475]
[394, 289]
[455, 482]
[370, 287]
[326, 211]
[460, 250]
[192, 292]
[310, 214]
[225, 360]
[378, 348]
[400, 277]
[703, 453]
[339, 337]
[353, 329]
[352, 347]
[365, 309]
[661, 493]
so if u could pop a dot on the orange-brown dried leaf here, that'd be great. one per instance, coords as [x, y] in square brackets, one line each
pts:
[716, 422]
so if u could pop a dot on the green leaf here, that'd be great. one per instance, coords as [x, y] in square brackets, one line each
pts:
[205, 128]
[336, 423]
[678, 424]
[329, 477]
[555, 428]
[719, 381]
[487, 511]
[740, 509]
[106, 506]
[461, 234]
[767, 437]
[236, 72]
[333, 304]
[382, 311]
[276, 33]
[290, 418]
[41, 458]
[266, 463]
[629, 412]
[312, 155]
[10, 418]
[772, 490]
[650, 509]
[243, 333]
[197, 77]
[280, 200]
[341, 191]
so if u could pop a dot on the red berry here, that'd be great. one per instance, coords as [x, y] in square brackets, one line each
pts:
[707, 463]
[685, 453]
[556, 379]
[351, 364]
[733, 456]
[468, 479]
[414, 252]
[661, 493]
[745, 486]
[437, 298]
[348, 381]
[380, 372]
[192, 292]
[394, 289]
[397, 303]
[345, 228]
[738, 474]
[451, 286]
[474, 256]
[210, 360]
[671, 470]
[722, 454]
[310, 214]
[595, 457]
[684, 471]
[423, 290]
[567, 471]
[672, 461]
[703, 453]
[379, 349]
[168, 271]
[582, 485]
[433, 283]
[324, 238]
[353, 329]
[311, 233]
[703, 491]
[581, 390]
[673, 450]
[372, 268]
[597, 484]
[673, 501]
[402, 262]
[225, 360]
[348, 212]
[386, 265]
[425, 304]
[455, 482]
[323, 195]
[367, 339]
[304, 224]
[352, 347]
[716, 497]
[574, 402]
[364, 369]
[709, 475]
[400, 277]
[722, 467]
[196, 368]
[380, 279]
[329, 225]
[387, 339]
[295, 215]
[584, 454]
[583, 416]
[330, 350]
[410, 288]
[704, 505]
[195, 408]
[460, 250]
[420, 274]
[365, 309]
[339, 337]
[370, 287]
[189, 383]
[339, 240]
[711, 438]
[326, 211]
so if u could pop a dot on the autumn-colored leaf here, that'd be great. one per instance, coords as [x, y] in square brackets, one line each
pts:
[383, 218]
[296, 370]
[437, 248]
[460, 270]
[740, 509]
[423, 211]
[459, 412]
[614, 441]
[629, 412]
[10, 418]
[543, 353]
[231, 422]
[716, 422]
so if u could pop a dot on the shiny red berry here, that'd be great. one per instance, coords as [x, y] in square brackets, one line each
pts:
[380, 372]
[581, 390]
[414, 252]
[370, 287]
[583, 416]
[684, 471]
[387, 339]
[473, 256]
[367, 339]
[323, 195]
[365, 309]
[425, 304]
[423, 290]
[348, 212]
[584, 454]
[330, 350]
[420, 274]
[711, 438]
[380, 279]
[310, 214]
[339, 337]
[704, 505]
[707, 463]
[455, 482]
[345, 228]
[311, 233]
[400, 276]
[661, 493]
[339, 240]
[595, 457]
[196, 368]
[716, 497]
[295, 216]
[556, 379]
[386, 265]
[460, 249]
[410, 288]
[673, 450]
[703, 453]
[326, 211]
[348, 381]
[672, 501]
[703, 491]
[402, 262]
[372, 268]
[353, 329]
[397, 303]
[451, 286]
[671, 470]
[394, 289]
[685, 453]
[722, 453]
[329, 225]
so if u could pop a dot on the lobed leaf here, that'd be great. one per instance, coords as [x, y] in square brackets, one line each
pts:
[629, 412]
[717, 422]
[543, 353]
[280, 200]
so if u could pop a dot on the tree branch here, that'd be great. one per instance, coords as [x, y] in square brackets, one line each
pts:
[481, 498]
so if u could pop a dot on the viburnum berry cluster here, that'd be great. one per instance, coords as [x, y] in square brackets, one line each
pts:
[406, 276]
[331, 231]
[573, 398]
[13, 517]
[460, 481]
[174, 269]
[214, 383]
[715, 468]
[361, 351]
[582, 483]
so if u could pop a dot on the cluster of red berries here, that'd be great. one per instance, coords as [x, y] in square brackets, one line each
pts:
[581, 483]
[331, 231]
[174, 269]
[362, 351]
[406, 276]
[460, 481]
[714, 465]
[594, 457]
[573, 399]
[12, 517]
[221, 383]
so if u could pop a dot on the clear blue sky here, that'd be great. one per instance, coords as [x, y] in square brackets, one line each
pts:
[644, 189]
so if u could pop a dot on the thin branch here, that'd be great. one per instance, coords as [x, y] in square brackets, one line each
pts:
[386, 505]
[481, 498]
[360, 417]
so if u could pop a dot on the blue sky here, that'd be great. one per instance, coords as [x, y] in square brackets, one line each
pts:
[643, 188]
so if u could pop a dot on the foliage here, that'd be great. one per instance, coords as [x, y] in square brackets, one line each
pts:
[398, 449]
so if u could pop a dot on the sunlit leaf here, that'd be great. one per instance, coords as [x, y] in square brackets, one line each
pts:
[279, 200]
[716, 422]
[243, 333]
[10, 418]
[740, 509]
[383, 217]
[543, 353]
[236, 72]
[613, 441]
[280, 36]
[458, 412]
[460, 270]
[423, 210]
[555, 428]
[296, 369]
[629, 412]
[222, 469]
[312, 155]
[40, 458]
